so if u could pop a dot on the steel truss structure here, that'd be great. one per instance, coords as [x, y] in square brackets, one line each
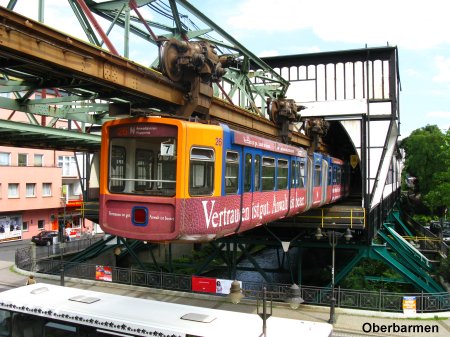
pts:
[51, 76]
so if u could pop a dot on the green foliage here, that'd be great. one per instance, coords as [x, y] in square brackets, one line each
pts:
[444, 269]
[423, 219]
[358, 278]
[427, 157]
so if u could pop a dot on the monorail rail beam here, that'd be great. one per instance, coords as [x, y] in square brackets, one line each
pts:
[30, 47]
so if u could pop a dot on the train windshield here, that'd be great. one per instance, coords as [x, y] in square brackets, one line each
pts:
[143, 166]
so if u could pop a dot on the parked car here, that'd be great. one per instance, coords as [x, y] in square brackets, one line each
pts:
[44, 238]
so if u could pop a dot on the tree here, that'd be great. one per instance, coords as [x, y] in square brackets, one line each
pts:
[427, 157]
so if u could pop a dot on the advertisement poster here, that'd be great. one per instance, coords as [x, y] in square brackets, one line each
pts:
[203, 284]
[223, 286]
[103, 273]
[10, 228]
[409, 305]
[211, 285]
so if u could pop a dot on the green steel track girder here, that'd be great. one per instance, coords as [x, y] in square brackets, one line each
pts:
[65, 108]
[93, 250]
[349, 266]
[130, 250]
[46, 137]
[87, 98]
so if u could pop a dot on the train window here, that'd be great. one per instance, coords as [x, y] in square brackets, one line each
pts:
[301, 181]
[5, 323]
[117, 169]
[294, 174]
[143, 169]
[201, 177]
[282, 174]
[268, 174]
[330, 174]
[232, 173]
[248, 173]
[339, 176]
[317, 175]
[257, 177]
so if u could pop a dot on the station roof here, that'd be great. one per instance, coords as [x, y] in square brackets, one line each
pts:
[40, 137]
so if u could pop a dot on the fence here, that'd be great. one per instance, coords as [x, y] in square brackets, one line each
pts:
[345, 298]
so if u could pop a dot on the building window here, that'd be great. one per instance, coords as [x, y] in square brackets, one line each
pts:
[46, 189]
[22, 159]
[38, 160]
[25, 226]
[68, 165]
[41, 224]
[13, 190]
[5, 158]
[31, 190]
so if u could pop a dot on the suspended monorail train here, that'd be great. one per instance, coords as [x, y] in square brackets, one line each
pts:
[171, 180]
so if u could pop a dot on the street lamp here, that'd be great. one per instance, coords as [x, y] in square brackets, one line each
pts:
[294, 297]
[62, 243]
[333, 238]
[237, 293]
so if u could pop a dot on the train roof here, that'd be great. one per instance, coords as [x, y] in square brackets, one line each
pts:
[143, 317]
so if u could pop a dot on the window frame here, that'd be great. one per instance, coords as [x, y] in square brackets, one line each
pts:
[268, 173]
[5, 158]
[143, 183]
[39, 161]
[15, 196]
[282, 166]
[46, 186]
[208, 167]
[30, 185]
[20, 157]
[116, 182]
[232, 166]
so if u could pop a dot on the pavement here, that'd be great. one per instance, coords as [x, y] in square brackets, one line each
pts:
[349, 322]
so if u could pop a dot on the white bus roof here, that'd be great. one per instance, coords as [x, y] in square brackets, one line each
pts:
[143, 317]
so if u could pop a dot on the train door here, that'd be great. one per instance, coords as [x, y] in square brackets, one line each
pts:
[324, 181]
[251, 179]
[309, 182]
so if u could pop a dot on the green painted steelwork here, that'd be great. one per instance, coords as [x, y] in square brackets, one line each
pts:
[419, 278]
[406, 252]
[45, 137]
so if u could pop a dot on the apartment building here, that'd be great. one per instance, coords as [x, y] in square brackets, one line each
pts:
[38, 190]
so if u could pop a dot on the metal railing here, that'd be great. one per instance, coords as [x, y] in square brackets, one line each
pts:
[345, 298]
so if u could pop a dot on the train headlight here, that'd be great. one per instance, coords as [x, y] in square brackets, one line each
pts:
[139, 216]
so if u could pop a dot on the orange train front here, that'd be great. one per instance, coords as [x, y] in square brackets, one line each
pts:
[166, 179]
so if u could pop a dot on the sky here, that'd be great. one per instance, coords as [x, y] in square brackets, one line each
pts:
[420, 30]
